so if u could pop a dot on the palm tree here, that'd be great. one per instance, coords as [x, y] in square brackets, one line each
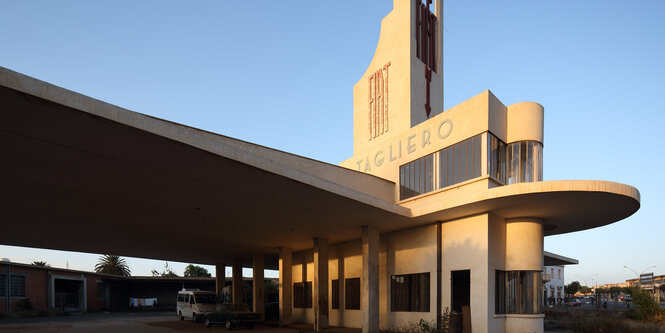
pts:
[41, 263]
[112, 264]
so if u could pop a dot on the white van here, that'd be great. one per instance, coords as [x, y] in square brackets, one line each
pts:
[195, 303]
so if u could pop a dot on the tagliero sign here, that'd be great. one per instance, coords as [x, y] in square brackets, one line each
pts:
[415, 141]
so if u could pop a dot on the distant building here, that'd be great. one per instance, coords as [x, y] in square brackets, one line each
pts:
[66, 290]
[553, 277]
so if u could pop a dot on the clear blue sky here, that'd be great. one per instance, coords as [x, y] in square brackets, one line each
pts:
[281, 74]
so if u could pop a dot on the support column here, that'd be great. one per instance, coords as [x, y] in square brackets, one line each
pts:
[369, 293]
[285, 286]
[257, 286]
[220, 279]
[524, 252]
[340, 286]
[237, 281]
[320, 301]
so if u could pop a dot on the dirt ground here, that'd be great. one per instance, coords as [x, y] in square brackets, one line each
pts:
[121, 322]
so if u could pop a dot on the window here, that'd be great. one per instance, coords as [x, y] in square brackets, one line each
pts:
[518, 292]
[335, 294]
[101, 290]
[497, 158]
[302, 295]
[525, 162]
[3, 286]
[352, 294]
[416, 177]
[181, 297]
[16, 287]
[559, 270]
[457, 163]
[410, 293]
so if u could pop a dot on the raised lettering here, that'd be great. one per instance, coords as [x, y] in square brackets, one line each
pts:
[410, 147]
[426, 136]
[390, 154]
[446, 132]
[378, 161]
[367, 167]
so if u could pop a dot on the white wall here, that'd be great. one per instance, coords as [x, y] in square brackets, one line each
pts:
[465, 246]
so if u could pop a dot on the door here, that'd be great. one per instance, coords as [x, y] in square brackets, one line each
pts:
[461, 298]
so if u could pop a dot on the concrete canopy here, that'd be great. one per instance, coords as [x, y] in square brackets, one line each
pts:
[79, 174]
[553, 259]
[83, 175]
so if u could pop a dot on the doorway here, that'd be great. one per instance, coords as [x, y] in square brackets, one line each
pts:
[69, 295]
[461, 298]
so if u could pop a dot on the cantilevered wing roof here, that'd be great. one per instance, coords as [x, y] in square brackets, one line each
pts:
[79, 174]
[83, 175]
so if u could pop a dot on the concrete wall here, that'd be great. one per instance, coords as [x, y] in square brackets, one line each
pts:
[303, 271]
[496, 261]
[465, 246]
[350, 256]
[408, 251]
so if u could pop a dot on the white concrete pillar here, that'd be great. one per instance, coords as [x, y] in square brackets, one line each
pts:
[369, 293]
[220, 278]
[340, 284]
[285, 286]
[320, 301]
[524, 252]
[524, 244]
[237, 281]
[258, 293]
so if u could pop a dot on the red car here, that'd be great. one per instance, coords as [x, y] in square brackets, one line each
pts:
[573, 302]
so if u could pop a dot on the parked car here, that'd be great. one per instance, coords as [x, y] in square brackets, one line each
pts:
[573, 302]
[230, 315]
[195, 303]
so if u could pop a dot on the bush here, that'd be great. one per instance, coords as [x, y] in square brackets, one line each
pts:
[427, 327]
[648, 308]
[24, 305]
[613, 325]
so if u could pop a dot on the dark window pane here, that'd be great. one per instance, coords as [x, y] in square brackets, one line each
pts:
[477, 148]
[469, 159]
[302, 295]
[17, 286]
[410, 293]
[335, 294]
[416, 177]
[3, 286]
[518, 292]
[308, 294]
[523, 158]
[352, 291]
[101, 290]
[451, 165]
[443, 166]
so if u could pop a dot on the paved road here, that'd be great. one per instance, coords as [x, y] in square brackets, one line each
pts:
[121, 322]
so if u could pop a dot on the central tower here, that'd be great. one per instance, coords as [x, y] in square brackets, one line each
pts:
[403, 85]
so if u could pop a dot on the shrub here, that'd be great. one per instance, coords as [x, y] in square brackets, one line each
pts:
[24, 305]
[648, 308]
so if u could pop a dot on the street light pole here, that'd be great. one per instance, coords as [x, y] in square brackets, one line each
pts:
[638, 275]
